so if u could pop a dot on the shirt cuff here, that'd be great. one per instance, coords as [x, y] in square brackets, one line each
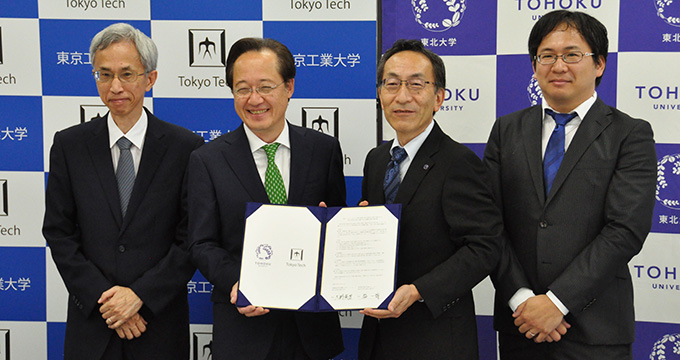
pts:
[557, 303]
[522, 295]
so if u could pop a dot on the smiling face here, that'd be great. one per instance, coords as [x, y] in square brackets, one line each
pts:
[265, 115]
[566, 86]
[409, 113]
[124, 100]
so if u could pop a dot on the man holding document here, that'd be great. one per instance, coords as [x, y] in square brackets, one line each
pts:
[451, 230]
[265, 160]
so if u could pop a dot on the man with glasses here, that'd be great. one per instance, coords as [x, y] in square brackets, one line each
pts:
[575, 180]
[450, 235]
[115, 217]
[265, 160]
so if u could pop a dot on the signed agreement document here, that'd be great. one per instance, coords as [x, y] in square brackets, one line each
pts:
[319, 259]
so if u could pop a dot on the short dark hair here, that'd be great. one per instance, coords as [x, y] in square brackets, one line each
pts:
[417, 46]
[242, 46]
[592, 30]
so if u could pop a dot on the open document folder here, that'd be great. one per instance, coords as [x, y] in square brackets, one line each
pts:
[319, 259]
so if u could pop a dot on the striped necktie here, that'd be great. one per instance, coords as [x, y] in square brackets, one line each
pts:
[554, 152]
[125, 173]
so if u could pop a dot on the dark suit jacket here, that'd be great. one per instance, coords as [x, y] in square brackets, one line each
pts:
[222, 178]
[450, 239]
[95, 248]
[577, 241]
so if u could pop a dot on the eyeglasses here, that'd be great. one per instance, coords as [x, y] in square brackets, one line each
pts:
[392, 85]
[264, 89]
[570, 58]
[126, 76]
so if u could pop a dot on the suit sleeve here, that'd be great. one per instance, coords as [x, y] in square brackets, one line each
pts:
[475, 227]
[171, 274]
[508, 276]
[84, 281]
[214, 262]
[337, 193]
[629, 204]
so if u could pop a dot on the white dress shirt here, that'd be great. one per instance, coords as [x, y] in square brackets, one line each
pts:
[282, 157]
[136, 136]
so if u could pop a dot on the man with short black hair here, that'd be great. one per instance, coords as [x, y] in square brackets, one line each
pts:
[450, 232]
[575, 180]
[265, 160]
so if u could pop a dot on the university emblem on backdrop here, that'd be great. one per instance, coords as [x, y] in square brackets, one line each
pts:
[91, 112]
[668, 181]
[322, 119]
[202, 343]
[207, 47]
[4, 344]
[668, 11]
[534, 92]
[0, 45]
[438, 15]
[666, 348]
[4, 211]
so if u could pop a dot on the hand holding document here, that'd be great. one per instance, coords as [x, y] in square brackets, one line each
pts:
[319, 259]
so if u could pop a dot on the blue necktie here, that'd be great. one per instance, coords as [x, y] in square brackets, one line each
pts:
[554, 152]
[392, 180]
[125, 173]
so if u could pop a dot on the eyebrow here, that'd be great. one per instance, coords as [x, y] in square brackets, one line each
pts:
[412, 76]
[568, 48]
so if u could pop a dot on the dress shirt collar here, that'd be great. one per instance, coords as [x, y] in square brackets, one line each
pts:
[135, 134]
[580, 110]
[256, 143]
[414, 145]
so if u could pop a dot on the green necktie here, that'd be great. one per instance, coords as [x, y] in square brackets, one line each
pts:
[273, 182]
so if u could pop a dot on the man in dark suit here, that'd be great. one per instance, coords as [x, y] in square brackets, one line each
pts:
[450, 236]
[241, 167]
[577, 201]
[115, 216]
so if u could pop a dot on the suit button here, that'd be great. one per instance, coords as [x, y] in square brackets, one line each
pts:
[543, 224]
[121, 248]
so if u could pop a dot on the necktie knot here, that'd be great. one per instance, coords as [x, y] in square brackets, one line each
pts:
[560, 119]
[398, 154]
[270, 149]
[123, 143]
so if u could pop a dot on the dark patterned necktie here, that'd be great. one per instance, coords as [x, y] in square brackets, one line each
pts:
[554, 152]
[392, 179]
[125, 173]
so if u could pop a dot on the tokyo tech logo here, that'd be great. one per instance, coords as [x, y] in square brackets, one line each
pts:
[668, 11]
[443, 15]
[666, 348]
[668, 181]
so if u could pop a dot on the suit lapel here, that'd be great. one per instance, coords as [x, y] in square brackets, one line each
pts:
[532, 125]
[300, 160]
[420, 166]
[100, 153]
[591, 127]
[240, 159]
[152, 156]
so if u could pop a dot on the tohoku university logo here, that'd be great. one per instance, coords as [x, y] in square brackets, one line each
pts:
[668, 11]
[534, 92]
[668, 181]
[666, 348]
[443, 15]
[264, 252]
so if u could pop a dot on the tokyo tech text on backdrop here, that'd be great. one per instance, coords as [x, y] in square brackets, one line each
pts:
[46, 85]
